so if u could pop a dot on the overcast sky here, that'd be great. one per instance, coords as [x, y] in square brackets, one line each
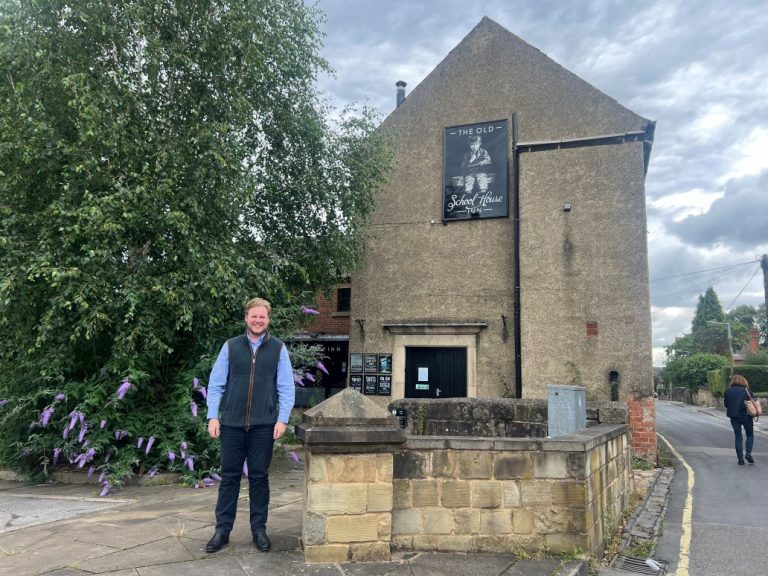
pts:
[699, 68]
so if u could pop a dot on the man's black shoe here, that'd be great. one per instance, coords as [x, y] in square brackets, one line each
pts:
[261, 540]
[741, 462]
[215, 544]
[749, 458]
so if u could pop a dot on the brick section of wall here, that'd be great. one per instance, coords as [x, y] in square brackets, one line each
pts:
[642, 426]
[347, 507]
[328, 321]
[480, 495]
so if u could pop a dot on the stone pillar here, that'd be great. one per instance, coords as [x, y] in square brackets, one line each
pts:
[349, 443]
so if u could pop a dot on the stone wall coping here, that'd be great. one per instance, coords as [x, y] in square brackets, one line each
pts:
[349, 436]
[581, 441]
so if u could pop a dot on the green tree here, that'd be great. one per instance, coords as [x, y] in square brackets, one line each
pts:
[742, 318]
[159, 164]
[709, 337]
[691, 371]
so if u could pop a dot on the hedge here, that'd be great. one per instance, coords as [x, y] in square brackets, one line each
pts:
[757, 376]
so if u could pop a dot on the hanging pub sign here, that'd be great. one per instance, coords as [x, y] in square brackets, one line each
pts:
[476, 171]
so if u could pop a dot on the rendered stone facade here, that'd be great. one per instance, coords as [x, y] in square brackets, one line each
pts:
[560, 296]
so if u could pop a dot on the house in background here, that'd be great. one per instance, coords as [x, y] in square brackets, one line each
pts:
[329, 330]
[508, 250]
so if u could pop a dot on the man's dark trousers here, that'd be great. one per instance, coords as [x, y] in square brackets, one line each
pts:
[237, 445]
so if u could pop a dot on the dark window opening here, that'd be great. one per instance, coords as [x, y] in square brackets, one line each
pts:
[343, 299]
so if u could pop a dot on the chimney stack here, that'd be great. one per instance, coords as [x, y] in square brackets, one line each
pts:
[400, 92]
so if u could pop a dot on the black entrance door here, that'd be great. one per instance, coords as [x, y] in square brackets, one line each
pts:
[435, 372]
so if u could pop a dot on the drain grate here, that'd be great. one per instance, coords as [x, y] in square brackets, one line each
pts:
[638, 566]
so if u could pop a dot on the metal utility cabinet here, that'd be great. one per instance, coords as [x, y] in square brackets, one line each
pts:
[566, 409]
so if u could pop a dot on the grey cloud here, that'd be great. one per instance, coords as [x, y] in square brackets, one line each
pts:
[738, 220]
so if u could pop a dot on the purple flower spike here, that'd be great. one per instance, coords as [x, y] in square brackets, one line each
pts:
[183, 449]
[106, 490]
[65, 433]
[56, 452]
[171, 455]
[322, 368]
[204, 392]
[73, 417]
[149, 444]
[102, 476]
[32, 425]
[81, 416]
[83, 430]
[245, 468]
[297, 380]
[195, 383]
[215, 476]
[152, 472]
[140, 441]
[309, 376]
[60, 396]
[310, 311]
[3, 402]
[46, 416]
[193, 407]
[190, 463]
[294, 457]
[208, 482]
[102, 424]
[108, 456]
[91, 470]
[123, 389]
[90, 454]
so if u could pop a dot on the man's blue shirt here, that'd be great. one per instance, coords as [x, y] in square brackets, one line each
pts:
[285, 387]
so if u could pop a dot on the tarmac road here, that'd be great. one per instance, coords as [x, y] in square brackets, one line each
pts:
[723, 528]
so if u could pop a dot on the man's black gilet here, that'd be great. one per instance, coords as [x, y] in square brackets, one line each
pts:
[250, 397]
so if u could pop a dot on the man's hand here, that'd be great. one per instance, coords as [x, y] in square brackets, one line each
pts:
[213, 428]
[279, 430]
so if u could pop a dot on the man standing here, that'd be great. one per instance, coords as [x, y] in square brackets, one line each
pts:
[252, 380]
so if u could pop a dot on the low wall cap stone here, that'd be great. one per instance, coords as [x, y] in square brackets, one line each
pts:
[349, 408]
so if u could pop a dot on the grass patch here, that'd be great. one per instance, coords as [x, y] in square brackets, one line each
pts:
[642, 549]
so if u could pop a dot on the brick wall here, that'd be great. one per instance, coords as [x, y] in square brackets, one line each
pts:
[642, 426]
[329, 321]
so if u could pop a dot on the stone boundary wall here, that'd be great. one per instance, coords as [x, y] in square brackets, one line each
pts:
[494, 417]
[512, 495]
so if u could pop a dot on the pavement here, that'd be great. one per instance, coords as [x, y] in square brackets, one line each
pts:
[64, 529]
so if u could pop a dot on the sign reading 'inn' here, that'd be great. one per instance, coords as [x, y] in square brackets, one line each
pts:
[476, 171]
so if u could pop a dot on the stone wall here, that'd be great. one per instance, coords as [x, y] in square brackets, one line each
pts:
[494, 417]
[369, 487]
[511, 495]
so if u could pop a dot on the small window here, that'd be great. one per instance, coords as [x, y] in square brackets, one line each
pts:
[591, 328]
[343, 299]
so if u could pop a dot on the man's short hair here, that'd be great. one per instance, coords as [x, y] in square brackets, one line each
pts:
[255, 302]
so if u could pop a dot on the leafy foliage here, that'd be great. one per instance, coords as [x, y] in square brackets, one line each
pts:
[160, 164]
[691, 371]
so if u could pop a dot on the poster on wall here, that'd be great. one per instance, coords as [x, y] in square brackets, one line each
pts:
[385, 385]
[369, 385]
[371, 363]
[385, 363]
[355, 362]
[476, 171]
[356, 382]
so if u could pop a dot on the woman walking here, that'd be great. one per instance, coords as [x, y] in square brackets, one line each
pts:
[734, 399]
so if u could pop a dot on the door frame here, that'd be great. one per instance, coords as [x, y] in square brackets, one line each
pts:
[433, 336]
